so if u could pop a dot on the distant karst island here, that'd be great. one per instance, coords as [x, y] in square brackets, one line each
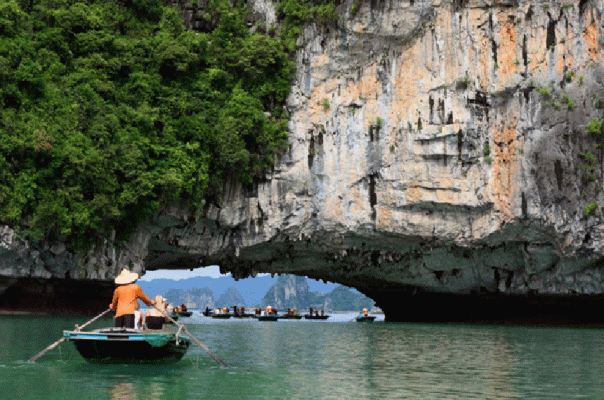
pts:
[288, 291]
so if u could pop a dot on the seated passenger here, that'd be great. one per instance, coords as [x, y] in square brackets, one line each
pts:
[155, 318]
[138, 317]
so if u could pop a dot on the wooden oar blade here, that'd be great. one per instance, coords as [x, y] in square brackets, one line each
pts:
[46, 350]
[58, 342]
[185, 330]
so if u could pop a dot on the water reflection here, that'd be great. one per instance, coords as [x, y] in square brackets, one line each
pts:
[122, 391]
[130, 391]
[442, 361]
[155, 391]
[317, 360]
[366, 360]
[337, 360]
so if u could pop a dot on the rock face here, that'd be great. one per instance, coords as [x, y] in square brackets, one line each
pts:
[437, 149]
[193, 298]
[289, 291]
[231, 297]
[344, 299]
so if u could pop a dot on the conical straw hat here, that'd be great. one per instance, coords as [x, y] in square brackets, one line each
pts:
[125, 277]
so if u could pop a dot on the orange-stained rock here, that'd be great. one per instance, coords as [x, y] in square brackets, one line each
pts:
[386, 182]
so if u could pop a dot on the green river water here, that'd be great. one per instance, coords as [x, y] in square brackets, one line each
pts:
[334, 359]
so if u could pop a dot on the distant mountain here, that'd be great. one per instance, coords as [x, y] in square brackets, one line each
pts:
[292, 291]
[285, 291]
[252, 290]
[230, 298]
[343, 298]
[193, 298]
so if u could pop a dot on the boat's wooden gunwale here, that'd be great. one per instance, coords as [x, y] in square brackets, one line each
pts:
[119, 345]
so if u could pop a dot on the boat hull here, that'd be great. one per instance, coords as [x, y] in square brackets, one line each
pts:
[268, 318]
[365, 319]
[221, 316]
[323, 317]
[290, 317]
[119, 346]
[184, 313]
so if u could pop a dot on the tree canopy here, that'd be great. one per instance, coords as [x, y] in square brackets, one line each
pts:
[110, 108]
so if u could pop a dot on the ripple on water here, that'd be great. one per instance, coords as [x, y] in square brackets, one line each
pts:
[320, 360]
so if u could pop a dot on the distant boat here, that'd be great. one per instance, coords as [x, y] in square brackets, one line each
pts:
[239, 312]
[222, 316]
[131, 346]
[307, 316]
[365, 318]
[314, 314]
[182, 313]
[244, 315]
[289, 316]
[174, 316]
[268, 317]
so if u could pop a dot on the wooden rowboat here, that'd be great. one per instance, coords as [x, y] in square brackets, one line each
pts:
[289, 316]
[183, 313]
[306, 316]
[130, 346]
[244, 315]
[269, 317]
[222, 316]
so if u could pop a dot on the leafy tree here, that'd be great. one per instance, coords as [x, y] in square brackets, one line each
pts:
[110, 109]
[296, 13]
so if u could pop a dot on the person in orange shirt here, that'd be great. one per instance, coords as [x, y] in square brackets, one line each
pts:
[125, 299]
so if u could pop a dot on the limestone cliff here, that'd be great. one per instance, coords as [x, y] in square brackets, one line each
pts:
[231, 297]
[436, 147]
[289, 291]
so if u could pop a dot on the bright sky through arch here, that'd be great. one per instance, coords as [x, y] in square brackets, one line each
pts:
[212, 271]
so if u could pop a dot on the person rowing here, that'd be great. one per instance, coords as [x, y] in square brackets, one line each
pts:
[125, 298]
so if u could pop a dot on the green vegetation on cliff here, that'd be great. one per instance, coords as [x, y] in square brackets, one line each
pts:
[344, 299]
[111, 108]
[296, 13]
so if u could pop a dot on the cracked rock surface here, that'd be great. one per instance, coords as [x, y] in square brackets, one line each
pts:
[437, 149]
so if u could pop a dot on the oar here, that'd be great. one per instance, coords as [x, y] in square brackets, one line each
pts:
[58, 342]
[184, 328]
